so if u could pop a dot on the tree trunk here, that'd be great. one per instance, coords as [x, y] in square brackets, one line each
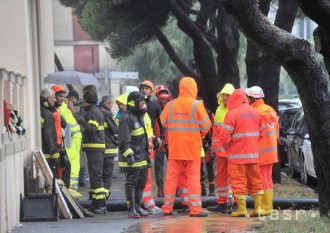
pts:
[301, 61]
[319, 11]
[254, 55]
[228, 45]
[271, 69]
[208, 85]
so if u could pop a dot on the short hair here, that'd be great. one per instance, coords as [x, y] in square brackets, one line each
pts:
[107, 98]
[46, 92]
[89, 88]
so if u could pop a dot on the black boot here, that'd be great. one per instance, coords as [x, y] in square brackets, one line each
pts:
[138, 198]
[99, 206]
[220, 208]
[211, 190]
[203, 189]
[202, 214]
[130, 195]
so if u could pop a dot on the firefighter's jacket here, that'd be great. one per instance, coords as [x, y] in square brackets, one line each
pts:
[48, 131]
[241, 131]
[93, 129]
[187, 122]
[133, 140]
[110, 130]
[268, 144]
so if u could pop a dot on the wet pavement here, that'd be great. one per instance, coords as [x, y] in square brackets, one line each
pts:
[117, 222]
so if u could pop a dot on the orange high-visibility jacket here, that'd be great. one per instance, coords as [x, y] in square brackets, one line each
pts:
[241, 131]
[268, 145]
[187, 122]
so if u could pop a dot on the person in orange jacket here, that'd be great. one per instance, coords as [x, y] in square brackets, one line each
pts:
[187, 123]
[267, 146]
[239, 136]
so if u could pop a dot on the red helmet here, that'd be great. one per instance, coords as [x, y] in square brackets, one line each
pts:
[162, 89]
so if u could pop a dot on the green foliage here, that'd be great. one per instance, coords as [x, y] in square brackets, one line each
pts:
[125, 23]
[151, 60]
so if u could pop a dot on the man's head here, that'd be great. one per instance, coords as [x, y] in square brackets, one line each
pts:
[147, 88]
[73, 96]
[107, 100]
[90, 97]
[254, 93]
[60, 94]
[136, 103]
[48, 95]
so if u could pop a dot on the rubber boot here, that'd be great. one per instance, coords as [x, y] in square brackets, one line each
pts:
[211, 190]
[257, 206]
[267, 202]
[138, 208]
[241, 212]
[130, 195]
[220, 208]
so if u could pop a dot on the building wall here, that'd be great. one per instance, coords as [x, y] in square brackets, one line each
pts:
[27, 54]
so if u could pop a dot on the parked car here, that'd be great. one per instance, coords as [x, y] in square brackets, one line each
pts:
[308, 170]
[285, 122]
[284, 104]
[300, 156]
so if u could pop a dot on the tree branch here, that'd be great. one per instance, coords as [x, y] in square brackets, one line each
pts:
[172, 54]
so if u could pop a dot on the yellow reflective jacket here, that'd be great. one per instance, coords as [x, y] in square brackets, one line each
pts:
[69, 118]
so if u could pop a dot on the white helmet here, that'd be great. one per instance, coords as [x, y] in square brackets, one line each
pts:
[255, 92]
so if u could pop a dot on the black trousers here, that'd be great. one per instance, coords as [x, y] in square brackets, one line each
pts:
[108, 167]
[95, 169]
[136, 179]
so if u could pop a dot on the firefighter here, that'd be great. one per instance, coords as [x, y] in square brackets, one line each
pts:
[133, 152]
[94, 146]
[48, 128]
[153, 110]
[187, 122]
[163, 97]
[239, 139]
[72, 151]
[267, 146]
[111, 137]
[222, 164]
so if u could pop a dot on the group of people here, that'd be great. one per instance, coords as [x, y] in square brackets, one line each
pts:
[241, 137]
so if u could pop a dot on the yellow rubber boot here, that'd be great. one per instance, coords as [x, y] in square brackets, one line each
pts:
[257, 206]
[267, 202]
[241, 212]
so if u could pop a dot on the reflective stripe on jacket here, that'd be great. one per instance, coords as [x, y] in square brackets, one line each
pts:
[110, 131]
[219, 118]
[132, 137]
[93, 130]
[268, 144]
[66, 113]
[241, 131]
[187, 122]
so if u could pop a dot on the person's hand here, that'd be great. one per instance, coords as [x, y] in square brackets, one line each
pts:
[70, 107]
[130, 159]
[160, 143]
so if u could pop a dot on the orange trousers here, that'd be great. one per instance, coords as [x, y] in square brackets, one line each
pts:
[245, 178]
[182, 190]
[266, 176]
[222, 180]
[191, 169]
[147, 198]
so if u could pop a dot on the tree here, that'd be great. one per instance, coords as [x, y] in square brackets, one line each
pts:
[301, 61]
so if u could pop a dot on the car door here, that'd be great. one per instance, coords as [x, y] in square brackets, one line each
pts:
[295, 137]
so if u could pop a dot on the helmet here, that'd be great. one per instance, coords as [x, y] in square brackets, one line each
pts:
[58, 88]
[162, 87]
[148, 83]
[122, 99]
[255, 92]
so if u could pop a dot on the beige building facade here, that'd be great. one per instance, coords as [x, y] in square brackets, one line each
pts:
[26, 55]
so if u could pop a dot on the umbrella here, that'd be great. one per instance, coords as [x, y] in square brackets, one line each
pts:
[71, 77]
